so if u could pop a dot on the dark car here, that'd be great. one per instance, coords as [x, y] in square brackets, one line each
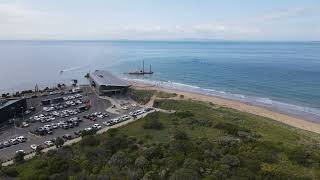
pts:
[65, 126]
[67, 136]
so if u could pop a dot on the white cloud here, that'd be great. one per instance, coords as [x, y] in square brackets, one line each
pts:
[21, 22]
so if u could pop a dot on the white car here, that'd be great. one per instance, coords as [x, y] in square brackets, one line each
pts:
[96, 126]
[20, 151]
[34, 146]
[106, 123]
[21, 139]
[88, 129]
[48, 143]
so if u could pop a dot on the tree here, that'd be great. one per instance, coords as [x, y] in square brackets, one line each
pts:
[19, 157]
[185, 174]
[231, 160]
[180, 135]
[59, 142]
[152, 124]
[118, 160]
[141, 163]
[39, 150]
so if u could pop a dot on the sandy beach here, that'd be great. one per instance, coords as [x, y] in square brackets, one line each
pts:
[260, 111]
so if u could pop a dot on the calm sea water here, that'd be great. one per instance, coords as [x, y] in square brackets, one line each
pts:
[284, 76]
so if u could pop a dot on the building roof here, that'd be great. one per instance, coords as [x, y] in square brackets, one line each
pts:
[5, 103]
[105, 78]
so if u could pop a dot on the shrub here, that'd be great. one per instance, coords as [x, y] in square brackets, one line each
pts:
[231, 160]
[230, 128]
[141, 96]
[152, 124]
[184, 114]
[19, 157]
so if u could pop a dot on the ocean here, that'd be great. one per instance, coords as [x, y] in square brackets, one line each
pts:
[282, 76]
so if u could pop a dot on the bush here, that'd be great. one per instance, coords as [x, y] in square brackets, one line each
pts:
[19, 157]
[230, 160]
[184, 114]
[10, 171]
[230, 128]
[59, 142]
[89, 141]
[141, 96]
[180, 135]
[185, 174]
[152, 124]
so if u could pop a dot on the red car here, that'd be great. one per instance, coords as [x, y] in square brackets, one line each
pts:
[92, 119]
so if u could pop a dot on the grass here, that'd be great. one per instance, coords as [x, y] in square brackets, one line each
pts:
[266, 149]
[141, 96]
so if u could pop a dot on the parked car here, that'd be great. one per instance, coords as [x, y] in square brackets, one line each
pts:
[67, 136]
[96, 126]
[48, 143]
[21, 139]
[34, 146]
[20, 151]
[6, 144]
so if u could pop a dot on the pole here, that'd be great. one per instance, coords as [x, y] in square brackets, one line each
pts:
[143, 66]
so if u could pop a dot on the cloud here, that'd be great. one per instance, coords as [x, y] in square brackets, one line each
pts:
[18, 21]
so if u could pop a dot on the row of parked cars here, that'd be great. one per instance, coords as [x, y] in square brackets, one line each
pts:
[94, 116]
[43, 118]
[48, 128]
[70, 101]
[66, 98]
[13, 141]
[125, 117]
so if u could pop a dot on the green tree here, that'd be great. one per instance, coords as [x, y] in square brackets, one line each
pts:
[59, 142]
[118, 160]
[141, 163]
[230, 160]
[185, 174]
[152, 124]
[18, 158]
[180, 135]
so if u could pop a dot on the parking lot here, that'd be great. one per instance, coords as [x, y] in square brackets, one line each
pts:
[98, 105]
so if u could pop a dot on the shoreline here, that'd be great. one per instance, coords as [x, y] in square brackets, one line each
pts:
[296, 122]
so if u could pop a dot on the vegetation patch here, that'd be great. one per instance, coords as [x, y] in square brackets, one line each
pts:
[141, 96]
[161, 94]
[197, 142]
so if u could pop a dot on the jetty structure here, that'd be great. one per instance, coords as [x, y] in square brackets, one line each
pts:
[141, 71]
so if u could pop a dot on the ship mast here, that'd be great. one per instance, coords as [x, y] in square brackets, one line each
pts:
[143, 66]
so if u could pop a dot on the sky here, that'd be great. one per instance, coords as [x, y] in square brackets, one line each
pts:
[276, 20]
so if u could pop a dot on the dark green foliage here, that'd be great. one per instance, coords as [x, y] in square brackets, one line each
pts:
[231, 128]
[59, 142]
[118, 160]
[18, 158]
[88, 133]
[185, 174]
[141, 96]
[200, 142]
[10, 171]
[153, 124]
[89, 140]
[184, 114]
[231, 161]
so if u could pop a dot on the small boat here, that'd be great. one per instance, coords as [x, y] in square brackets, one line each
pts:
[141, 71]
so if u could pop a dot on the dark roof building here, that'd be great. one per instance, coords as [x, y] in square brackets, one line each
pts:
[108, 84]
[12, 108]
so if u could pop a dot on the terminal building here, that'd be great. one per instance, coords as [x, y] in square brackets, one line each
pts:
[12, 108]
[107, 84]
